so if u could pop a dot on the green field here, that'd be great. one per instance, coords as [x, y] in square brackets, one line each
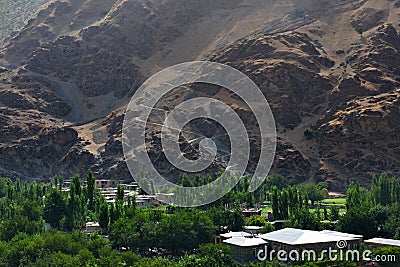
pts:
[328, 202]
[333, 202]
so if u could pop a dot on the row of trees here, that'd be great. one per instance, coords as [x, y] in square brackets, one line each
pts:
[374, 212]
[369, 212]
[287, 201]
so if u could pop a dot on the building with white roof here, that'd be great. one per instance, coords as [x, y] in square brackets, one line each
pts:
[93, 227]
[255, 230]
[235, 234]
[297, 239]
[382, 242]
[244, 250]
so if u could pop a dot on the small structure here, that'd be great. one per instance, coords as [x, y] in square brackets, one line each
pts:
[131, 187]
[289, 239]
[254, 230]
[251, 212]
[167, 198]
[146, 201]
[106, 183]
[244, 250]
[336, 195]
[382, 242]
[235, 234]
[93, 227]
[279, 224]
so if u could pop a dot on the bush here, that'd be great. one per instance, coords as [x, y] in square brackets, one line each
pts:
[308, 133]
[267, 228]
[255, 220]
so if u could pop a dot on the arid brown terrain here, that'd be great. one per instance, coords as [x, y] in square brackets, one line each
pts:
[329, 67]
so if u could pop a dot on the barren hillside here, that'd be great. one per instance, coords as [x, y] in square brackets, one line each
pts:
[14, 15]
[331, 66]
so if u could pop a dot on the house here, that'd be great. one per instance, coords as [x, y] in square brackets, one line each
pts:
[146, 201]
[382, 242]
[254, 230]
[251, 212]
[336, 195]
[166, 198]
[289, 239]
[131, 187]
[93, 227]
[235, 234]
[244, 250]
[106, 183]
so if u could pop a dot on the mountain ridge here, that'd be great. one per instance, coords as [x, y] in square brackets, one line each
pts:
[77, 64]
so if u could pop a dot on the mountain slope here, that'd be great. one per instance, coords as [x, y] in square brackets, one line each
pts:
[14, 15]
[69, 73]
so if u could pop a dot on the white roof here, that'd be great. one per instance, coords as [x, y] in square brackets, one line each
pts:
[329, 232]
[383, 241]
[252, 227]
[245, 242]
[236, 234]
[92, 224]
[292, 236]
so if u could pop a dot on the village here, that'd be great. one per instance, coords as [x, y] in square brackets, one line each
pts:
[250, 244]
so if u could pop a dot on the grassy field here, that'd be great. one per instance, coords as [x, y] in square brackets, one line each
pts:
[314, 210]
[333, 202]
[329, 202]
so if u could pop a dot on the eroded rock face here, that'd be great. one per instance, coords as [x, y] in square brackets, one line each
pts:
[363, 137]
[368, 18]
[65, 80]
[94, 71]
[33, 92]
[38, 155]
[288, 79]
[361, 134]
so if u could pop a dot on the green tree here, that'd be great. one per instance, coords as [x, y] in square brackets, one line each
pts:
[255, 220]
[335, 213]
[91, 181]
[275, 202]
[304, 219]
[120, 193]
[54, 209]
[104, 216]
[313, 192]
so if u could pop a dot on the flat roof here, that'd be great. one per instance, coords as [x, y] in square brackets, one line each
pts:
[383, 241]
[236, 234]
[330, 232]
[292, 236]
[94, 224]
[251, 210]
[253, 227]
[245, 242]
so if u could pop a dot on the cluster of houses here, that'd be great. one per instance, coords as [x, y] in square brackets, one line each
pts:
[108, 188]
[246, 245]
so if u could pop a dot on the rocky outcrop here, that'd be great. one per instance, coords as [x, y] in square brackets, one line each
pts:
[94, 71]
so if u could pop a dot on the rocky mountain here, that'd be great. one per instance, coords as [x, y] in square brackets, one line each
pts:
[14, 15]
[328, 67]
